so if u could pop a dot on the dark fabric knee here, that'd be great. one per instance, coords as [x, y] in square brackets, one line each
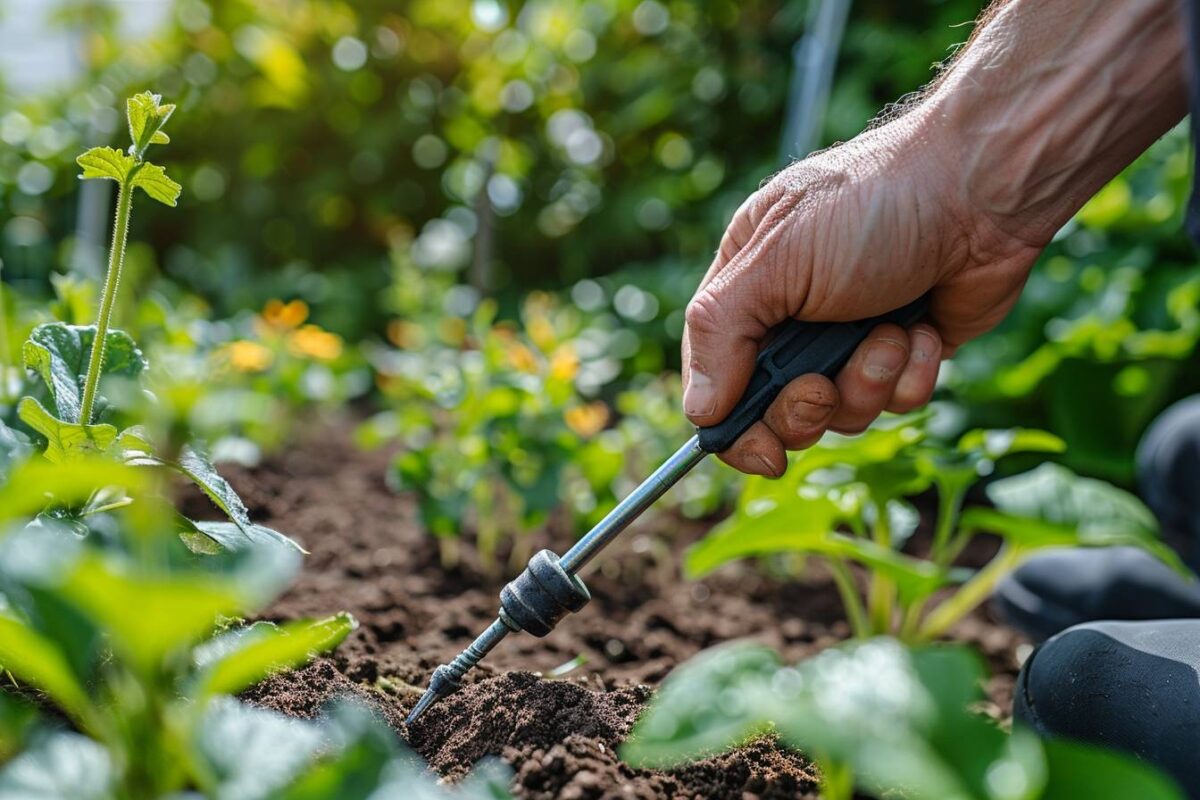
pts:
[1132, 686]
[1168, 469]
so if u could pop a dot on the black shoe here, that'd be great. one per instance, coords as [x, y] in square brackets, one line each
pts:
[1132, 686]
[1063, 587]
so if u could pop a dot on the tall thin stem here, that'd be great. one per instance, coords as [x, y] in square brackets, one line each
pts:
[972, 593]
[5, 352]
[857, 616]
[112, 281]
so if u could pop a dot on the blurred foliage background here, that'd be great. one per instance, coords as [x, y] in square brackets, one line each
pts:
[404, 169]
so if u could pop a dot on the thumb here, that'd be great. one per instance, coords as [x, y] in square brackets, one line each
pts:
[720, 343]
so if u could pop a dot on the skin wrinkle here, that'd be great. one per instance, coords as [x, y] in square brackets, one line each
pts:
[956, 192]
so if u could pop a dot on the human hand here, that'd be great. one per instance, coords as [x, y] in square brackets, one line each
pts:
[846, 234]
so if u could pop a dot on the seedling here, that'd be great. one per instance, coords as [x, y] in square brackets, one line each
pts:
[71, 420]
[845, 502]
[877, 717]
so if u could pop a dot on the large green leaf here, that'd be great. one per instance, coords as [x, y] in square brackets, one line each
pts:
[148, 615]
[37, 483]
[704, 706]
[14, 448]
[252, 753]
[802, 524]
[66, 441]
[59, 353]
[60, 766]
[39, 662]
[1051, 506]
[1079, 772]
[239, 659]
[897, 718]
[195, 466]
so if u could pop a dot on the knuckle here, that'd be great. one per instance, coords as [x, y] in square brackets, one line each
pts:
[703, 313]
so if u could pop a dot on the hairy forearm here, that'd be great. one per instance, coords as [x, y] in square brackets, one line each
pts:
[1052, 98]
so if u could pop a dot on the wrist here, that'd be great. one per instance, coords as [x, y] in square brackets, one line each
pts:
[1051, 99]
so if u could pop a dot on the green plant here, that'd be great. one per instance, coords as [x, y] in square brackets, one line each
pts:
[503, 423]
[138, 645]
[879, 718]
[844, 501]
[70, 419]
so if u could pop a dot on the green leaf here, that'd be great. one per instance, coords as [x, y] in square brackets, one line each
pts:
[147, 615]
[260, 562]
[146, 114]
[153, 180]
[1080, 772]
[105, 162]
[897, 718]
[367, 753]
[65, 441]
[37, 661]
[196, 467]
[60, 766]
[1051, 506]
[995, 444]
[14, 448]
[251, 752]
[239, 659]
[914, 578]
[37, 483]
[160, 138]
[703, 707]
[803, 525]
[59, 354]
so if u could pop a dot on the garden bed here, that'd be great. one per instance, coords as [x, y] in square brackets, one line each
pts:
[369, 556]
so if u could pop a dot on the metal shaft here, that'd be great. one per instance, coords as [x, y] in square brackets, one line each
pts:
[629, 509]
[448, 677]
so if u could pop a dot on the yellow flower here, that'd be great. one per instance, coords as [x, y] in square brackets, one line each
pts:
[279, 314]
[247, 356]
[453, 331]
[564, 364]
[405, 334]
[587, 420]
[313, 342]
[541, 332]
[522, 358]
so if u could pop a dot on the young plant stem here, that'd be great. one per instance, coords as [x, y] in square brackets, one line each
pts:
[112, 282]
[881, 594]
[972, 593]
[837, 781]
[860, 626]
[950, 500]
[448, 551]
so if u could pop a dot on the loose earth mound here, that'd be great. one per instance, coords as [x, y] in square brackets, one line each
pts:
[370, 557]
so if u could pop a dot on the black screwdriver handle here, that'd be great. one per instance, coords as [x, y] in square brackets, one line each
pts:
[799, 348]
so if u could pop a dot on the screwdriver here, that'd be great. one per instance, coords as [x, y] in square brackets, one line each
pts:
[550, 587]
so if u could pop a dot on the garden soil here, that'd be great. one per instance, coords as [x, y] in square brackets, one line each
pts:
[370, 556]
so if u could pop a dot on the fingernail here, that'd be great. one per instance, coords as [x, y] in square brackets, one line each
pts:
[700, 398]
[883, 359]
[924, 345]
[767, 465]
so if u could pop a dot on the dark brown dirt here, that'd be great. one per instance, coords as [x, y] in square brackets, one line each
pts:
[370, 557]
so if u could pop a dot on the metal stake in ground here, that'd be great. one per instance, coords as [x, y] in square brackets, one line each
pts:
[550, 587]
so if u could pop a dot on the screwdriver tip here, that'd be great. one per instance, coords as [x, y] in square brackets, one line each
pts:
[427, 699]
